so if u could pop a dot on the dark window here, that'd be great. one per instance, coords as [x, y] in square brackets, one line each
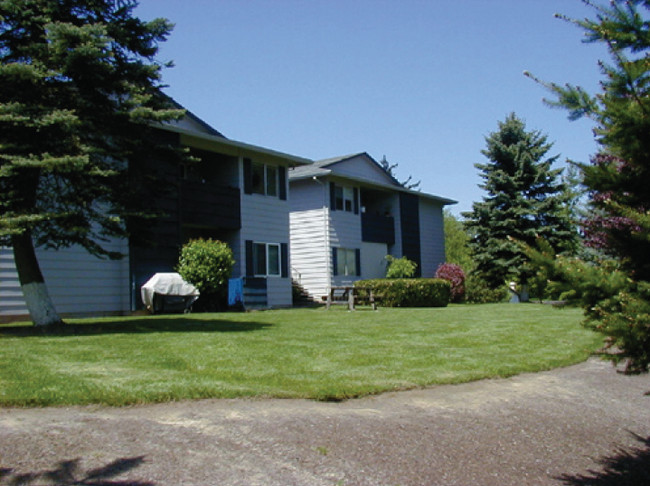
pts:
[257, 186]
[264, 180]
[259, 258]
[343, 198]
[271, 180]
[267, 259]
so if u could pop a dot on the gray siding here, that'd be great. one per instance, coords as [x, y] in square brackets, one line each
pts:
[78, 283]
[345, 232]
[373, 260]
[308, 194]
[432, 236]
[361, 168]
[264, 219]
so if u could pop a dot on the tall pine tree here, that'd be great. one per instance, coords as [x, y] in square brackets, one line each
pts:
[525, 200]
[615, 290]
[80, 92]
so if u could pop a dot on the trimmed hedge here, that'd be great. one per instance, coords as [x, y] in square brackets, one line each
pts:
[409, 292]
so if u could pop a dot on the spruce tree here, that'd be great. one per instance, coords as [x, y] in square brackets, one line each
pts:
[615, 289]
[80, 92]
[526, 199]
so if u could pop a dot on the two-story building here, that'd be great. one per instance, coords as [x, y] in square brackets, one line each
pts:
[237, 193]
[348, 213]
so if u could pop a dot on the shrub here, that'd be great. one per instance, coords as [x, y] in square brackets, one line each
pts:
[400, 267]
[456, 278]
[477, 291]
[207, 264]
[409, 292]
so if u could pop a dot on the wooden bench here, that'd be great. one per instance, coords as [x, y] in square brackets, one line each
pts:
[351, 296]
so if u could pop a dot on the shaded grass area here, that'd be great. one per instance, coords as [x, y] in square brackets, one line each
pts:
[300, 353]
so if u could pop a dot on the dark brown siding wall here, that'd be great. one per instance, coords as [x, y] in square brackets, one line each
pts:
[409, 209]
[189, 203]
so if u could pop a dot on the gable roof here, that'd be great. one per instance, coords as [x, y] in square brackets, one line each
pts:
[192, 126]
[193, 122]
[335, 166]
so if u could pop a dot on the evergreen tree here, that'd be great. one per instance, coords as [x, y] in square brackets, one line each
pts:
[615, 291]
[525, 200]
[80, 91]
[390, 168]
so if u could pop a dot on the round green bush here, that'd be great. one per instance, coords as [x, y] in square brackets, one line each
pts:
[400, 267]
[207, 264]
[477, 291]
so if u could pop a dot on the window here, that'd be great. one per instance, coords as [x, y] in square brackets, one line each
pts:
[346, 263]
[266, 259]
[271, 180]
[343, 198]
[273, 259]
[259, 258]
[264, 179]
[258, 178]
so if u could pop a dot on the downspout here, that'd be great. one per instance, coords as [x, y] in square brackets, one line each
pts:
[326, 234]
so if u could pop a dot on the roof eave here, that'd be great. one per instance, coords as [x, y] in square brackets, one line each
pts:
[236, 144]
[443, 200]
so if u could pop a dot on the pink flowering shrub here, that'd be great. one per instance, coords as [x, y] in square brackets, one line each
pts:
[606, 227]
[456, 277]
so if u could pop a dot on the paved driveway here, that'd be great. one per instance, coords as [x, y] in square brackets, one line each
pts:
[582, 425]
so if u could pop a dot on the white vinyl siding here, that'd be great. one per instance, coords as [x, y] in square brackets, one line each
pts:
[78, 283]
[11, 297]
[310, 253]
[432, 237]
[310, 249]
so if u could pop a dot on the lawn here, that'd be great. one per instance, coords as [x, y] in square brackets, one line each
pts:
[306, 353]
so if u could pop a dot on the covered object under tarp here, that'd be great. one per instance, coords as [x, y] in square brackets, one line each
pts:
[168, 292]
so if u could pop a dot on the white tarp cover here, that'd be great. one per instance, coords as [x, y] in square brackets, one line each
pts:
[167, 284]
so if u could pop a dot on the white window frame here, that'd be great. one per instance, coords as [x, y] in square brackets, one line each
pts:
[343, 256]
[346, 197]
[267, 260]
[267, 187]
[275, 183]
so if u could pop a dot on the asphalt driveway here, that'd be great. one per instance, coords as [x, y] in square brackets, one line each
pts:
[582, 425]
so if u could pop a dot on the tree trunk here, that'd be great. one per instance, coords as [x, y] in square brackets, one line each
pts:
[40, 306]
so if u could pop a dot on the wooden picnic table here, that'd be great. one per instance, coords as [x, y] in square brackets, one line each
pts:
[349, 294]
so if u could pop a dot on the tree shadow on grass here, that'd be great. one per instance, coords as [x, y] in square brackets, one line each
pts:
[67, 473]
[138, 325]
[627, 467]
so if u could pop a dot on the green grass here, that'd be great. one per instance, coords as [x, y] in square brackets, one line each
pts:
[306, 353]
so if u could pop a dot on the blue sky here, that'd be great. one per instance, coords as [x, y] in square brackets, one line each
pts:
[422, 82]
